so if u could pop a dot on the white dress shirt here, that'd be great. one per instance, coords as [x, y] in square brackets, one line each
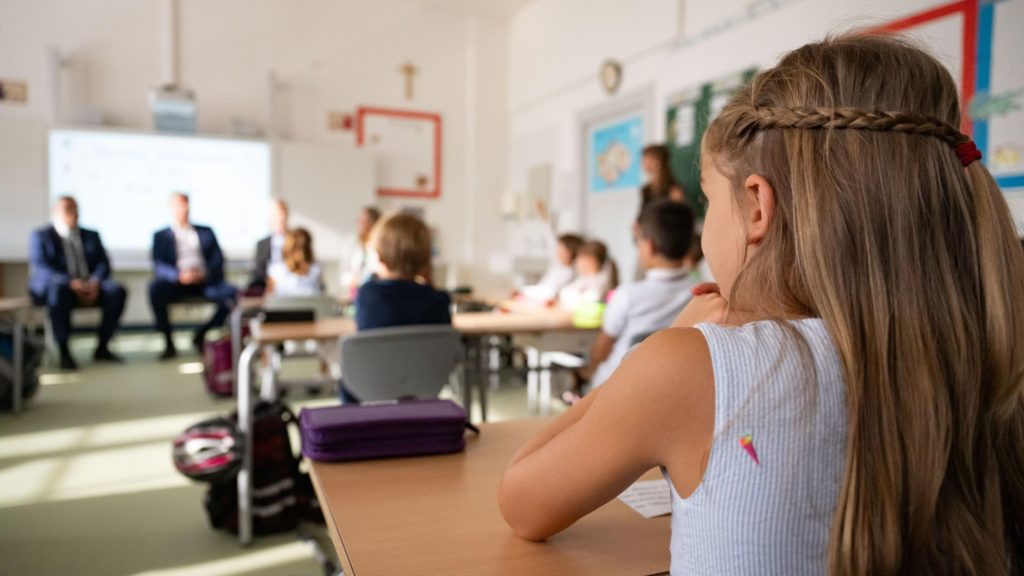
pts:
[190, 253]
[639, 308]
[74, 254]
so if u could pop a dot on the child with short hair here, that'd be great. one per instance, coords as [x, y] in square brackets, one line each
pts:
[401, 293]
[637, 309]
[596, 276]
[848, 399]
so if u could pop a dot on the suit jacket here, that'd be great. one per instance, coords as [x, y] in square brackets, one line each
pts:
[165, 255]
[259, 271]
[48, 263]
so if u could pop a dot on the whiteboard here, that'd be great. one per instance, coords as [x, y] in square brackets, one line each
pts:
[123, 182]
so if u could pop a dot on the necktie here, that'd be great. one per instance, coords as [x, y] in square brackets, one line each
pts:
[77, 266]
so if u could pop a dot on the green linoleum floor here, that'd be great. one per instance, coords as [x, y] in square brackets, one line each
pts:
[87, 485]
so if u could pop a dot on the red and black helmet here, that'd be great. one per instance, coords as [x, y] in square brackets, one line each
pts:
[209, 451]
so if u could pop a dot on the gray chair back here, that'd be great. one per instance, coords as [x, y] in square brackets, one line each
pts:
[399, 362]
[324, 306]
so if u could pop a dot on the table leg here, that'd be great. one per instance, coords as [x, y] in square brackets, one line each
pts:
[244, 396]
[235, 330]
[545, 385]
[482, 381]
[532, 365]
[19, 361]
[268, 380]
[468, 377]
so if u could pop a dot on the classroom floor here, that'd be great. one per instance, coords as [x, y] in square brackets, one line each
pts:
[87, 485]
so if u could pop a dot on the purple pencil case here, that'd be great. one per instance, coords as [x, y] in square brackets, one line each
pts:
[382, 430]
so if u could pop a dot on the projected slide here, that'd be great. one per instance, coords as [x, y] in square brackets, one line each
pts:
[123, 182]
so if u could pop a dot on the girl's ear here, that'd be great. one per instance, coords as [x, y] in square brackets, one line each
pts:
[760, 211]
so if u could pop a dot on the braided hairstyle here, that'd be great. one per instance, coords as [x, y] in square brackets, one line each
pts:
[912, 262]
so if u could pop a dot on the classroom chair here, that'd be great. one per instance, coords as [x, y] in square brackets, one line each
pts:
[401, 362]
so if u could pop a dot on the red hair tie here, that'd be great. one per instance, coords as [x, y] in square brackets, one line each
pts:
[967, 152]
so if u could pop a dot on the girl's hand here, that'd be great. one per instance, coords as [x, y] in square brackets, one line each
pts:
[707, 305]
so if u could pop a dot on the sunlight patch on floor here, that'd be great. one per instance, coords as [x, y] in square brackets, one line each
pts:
[246, 564]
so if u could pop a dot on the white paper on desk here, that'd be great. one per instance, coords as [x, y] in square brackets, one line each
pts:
[650, 498]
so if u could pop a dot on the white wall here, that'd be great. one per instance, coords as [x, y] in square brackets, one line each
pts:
[556, 47]
[327, 55]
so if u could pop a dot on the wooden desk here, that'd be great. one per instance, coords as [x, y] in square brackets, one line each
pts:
[475, 325]
[16, 307]
[439, 515]
[537, 330]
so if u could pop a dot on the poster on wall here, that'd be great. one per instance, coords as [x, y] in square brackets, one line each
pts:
[688, 113]
[976, 41]
[407, 146]
[613, 154]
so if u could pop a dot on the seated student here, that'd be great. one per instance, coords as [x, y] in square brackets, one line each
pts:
[401, 294]
[68, 267]
[694, 262]
[596, 276]
[849, 398]
[640, 308]
[187, 261]
[360, 262]
[268, 250]
[297, 273]
[560, 272]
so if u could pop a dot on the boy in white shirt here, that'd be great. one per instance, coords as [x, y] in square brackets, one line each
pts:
[665, 230]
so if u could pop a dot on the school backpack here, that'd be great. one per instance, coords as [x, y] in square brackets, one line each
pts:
[33, 357]
[282, 494]
[218, 373]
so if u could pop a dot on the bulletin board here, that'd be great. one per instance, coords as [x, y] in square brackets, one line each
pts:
[407, 146]
[991, 81]
[688, 114]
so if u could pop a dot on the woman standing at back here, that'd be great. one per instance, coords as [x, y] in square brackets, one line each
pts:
[848, 399]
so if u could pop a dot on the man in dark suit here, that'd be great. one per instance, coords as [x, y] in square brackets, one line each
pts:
[187, 261]
[68, 267]
[268, 250]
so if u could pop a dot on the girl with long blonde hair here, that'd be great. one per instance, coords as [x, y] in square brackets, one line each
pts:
[848, 398]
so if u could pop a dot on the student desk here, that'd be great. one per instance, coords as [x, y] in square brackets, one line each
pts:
[16, 307]
[475, 325]
[537, 330]
[439, 515]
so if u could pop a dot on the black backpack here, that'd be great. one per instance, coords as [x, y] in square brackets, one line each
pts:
[283, 495]
[33, 357]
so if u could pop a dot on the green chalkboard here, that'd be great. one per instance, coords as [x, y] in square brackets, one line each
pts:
[688, 115]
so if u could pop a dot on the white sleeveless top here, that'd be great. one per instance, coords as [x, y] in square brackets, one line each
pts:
[766, 501]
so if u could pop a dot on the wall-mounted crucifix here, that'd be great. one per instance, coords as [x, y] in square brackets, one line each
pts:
[408, 70]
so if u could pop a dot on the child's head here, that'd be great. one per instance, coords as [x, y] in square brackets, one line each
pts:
[835, 190]
[402, 242]
[593, 258]
[568, 248]
[654, 158]
[664, 232]
[297, 251]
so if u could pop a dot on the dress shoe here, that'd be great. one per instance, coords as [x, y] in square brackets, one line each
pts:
[198, 341]
[67, 362]
[103, 354]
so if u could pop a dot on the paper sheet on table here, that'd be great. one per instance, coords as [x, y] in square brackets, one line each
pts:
[650, 498]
